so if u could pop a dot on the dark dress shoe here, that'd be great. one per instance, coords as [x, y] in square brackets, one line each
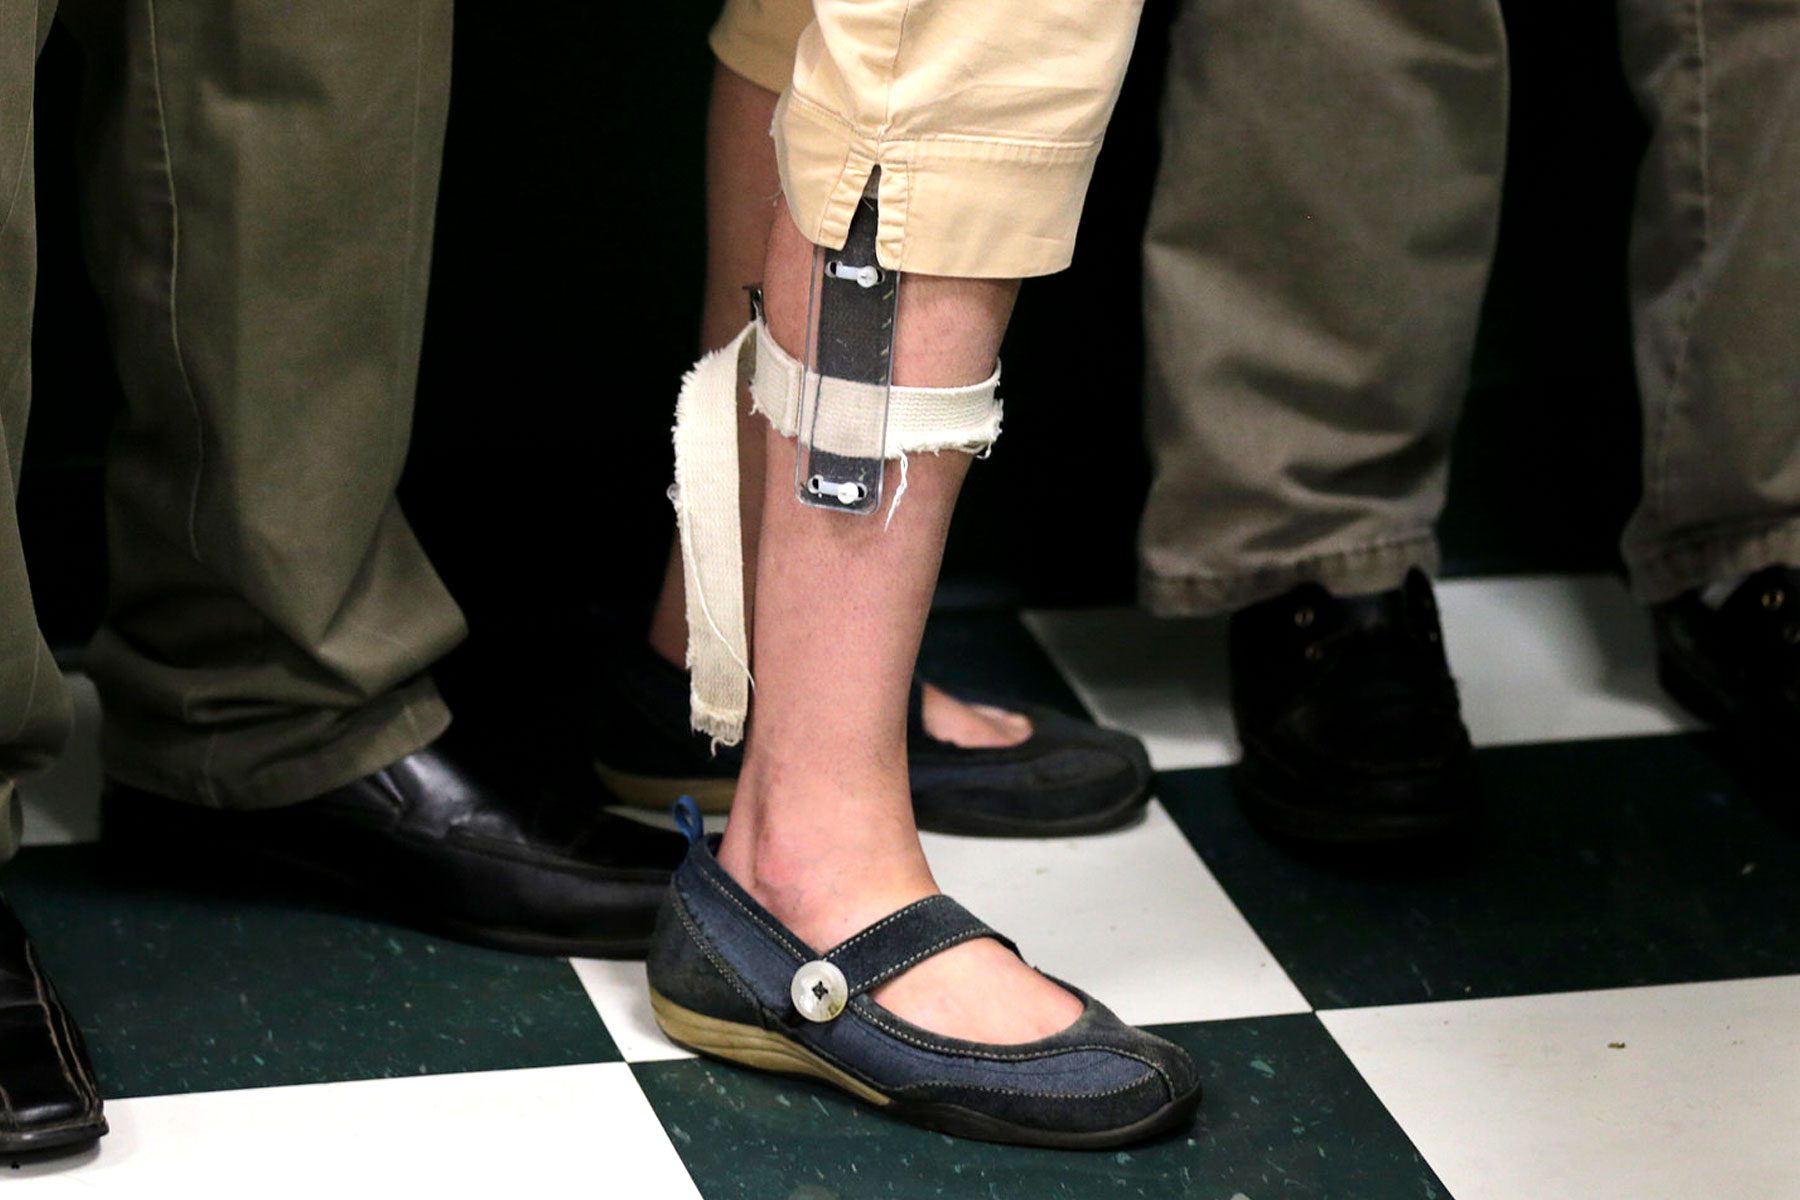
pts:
[1349, 719]
[48, 1100]
[1069, 777]
[1738, 666]
[448, 839]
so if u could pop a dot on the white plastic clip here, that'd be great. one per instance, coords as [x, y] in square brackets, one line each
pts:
[848, 492]
[866, 277]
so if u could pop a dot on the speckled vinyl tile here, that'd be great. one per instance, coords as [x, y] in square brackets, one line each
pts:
[201, 991]
[1664, 1093]
[1602, 864]
[1285, 1116]
[557, 1131]
[1599, 1000]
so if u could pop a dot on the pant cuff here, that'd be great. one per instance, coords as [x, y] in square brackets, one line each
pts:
[1356, 572]
[266, 767]
[977, 208]
[1666, 570]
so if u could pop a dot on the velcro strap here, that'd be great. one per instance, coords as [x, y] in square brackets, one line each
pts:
[905, 938]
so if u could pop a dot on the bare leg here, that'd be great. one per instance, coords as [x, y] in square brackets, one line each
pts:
[822, 829]
[743, 196]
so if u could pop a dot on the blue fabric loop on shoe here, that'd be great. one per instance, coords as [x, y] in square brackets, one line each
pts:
[905, 938]
[688, 819]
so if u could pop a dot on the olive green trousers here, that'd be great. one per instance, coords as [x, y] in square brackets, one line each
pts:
[1319, 246]
[258, 190]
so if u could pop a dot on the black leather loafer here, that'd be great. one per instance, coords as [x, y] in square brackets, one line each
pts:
[48, 1099]
[447, 840]
[1349, 719]
[1738, 666]
[1070, 777]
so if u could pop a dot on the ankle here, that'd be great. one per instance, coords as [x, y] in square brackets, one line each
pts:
[826, 881]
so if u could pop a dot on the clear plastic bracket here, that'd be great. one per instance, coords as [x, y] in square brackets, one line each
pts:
[839, 458]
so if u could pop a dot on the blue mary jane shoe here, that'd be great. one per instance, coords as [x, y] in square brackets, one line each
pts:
[727, 980]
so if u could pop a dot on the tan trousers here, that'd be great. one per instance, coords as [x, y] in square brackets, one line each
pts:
[1318, 249]
[984, 118]
[260, 186]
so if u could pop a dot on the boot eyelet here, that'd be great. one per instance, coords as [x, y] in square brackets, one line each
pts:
[1304, 618]
[1774, 599]
[1315, 653]
[1433, 636]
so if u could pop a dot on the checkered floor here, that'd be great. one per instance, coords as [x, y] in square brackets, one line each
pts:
[1602, 1000]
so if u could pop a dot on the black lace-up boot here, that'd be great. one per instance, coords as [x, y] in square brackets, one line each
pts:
[1349, 718]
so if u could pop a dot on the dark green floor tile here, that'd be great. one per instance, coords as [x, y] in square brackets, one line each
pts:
[991, 656]
[185, 992]
[1286, 1115]
[1602, 864]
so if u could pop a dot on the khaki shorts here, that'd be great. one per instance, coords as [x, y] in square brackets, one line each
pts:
[983, 116]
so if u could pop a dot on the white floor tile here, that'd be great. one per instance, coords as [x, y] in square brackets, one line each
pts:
[1537, 658]
[585, 1130]
[622, 997]
[1132, 917]
[1552, 659]
[63, 804]
[1666, 1093]
[1163, 680]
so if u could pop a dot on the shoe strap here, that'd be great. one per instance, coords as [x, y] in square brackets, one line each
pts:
[906, 938]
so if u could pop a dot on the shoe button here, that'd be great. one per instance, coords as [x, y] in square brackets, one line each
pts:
[819, 991]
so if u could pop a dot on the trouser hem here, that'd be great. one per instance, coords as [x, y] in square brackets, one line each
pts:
[1360, 571]
[197, 766]
[1663, 572]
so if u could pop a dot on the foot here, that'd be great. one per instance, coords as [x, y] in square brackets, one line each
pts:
[450, 838]
[52, 1102]
[1349, 718]
[975, 769]
[970, 726]
[730, 979]
[833, 888]
[1737, 666]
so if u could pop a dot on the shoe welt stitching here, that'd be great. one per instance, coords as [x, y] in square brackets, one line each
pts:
[955, 939]
[878, 926]
[764, 925]
[866, 1011]
[1006, 1091]
[81, 1068]
[713, 956]
[37, 977]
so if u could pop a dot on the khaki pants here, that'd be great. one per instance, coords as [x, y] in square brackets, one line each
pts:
[1318, 248]
[260, 181]
[984, 118]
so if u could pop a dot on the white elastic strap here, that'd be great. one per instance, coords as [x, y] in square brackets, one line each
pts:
[919, 419]
[706, 496]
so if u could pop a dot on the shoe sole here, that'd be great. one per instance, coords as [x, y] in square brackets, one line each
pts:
[655, 793]
[1767, 773]
[317, 882]
[65, 1137]
[968, 823]
[1277, 819]
[1693, 694]
[765, 1050]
